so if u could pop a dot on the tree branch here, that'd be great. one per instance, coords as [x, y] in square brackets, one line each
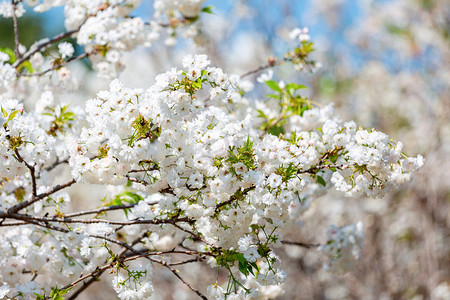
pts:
[16, 30]
[175, 272]
[27, 203]
[103, 209]
[300, 244]
[56, 67]
[32, 172]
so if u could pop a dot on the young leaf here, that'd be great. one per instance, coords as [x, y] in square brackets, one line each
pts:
[321, 181]
[273, 85]
[13, 114]
[208, 9]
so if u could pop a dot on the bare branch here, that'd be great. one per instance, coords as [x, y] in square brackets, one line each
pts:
[232, 199]
[55, 164]
[176, 273]
[27, 203]
[194, 235]
[55, 39]
[300, 244]
[32, 172]
[272, 62]
[25, 217]
[103, 209]
[16, 30]
[56, 67]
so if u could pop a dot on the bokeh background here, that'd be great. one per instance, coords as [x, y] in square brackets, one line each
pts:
[386, 65]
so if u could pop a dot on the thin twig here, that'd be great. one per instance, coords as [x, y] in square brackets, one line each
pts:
[194, 235]
[232, 199]
[16, 30]
[27, 203]
[135, 180]
[97, 274]
[38, 48]
[186, 261]
[175, 272]
[13, 224]
[160, 253]
[32, 172]
[320, 167]
[56, 67]
[101, 237]
[103, 209]
[93, 277]
[25, 217]
[55, 164]
[272, 63]
[300, 244]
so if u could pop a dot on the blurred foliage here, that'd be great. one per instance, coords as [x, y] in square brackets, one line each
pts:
[31, 29]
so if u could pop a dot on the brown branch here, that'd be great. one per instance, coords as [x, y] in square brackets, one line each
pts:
[321, 165]
[186, 261]
[300, 244]
[57, 66]
[27, 203]
[272, 62]
[194, 235]
[96, 274]
[314, 169]
[175, 272]
[32, 172]
[155, 168]
[160, 253]
[25, 217]
[55, 164]
[55, 39]
[12, 224]
[16, 30]
[103, 209]
[102, 237]
[93, 277]
[135, 180]
[232, 199]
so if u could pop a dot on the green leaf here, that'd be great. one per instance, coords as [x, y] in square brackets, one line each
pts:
[321, 181]
[10, 52]
[333, 158]
[243, 265]
[255, 266]
[273, 85]
[276, 130]
[12, 59]
[68, 116]
[274, 96]
[128, 197]
[39, 297]
[295, 86]
[12, 115]
[57, 294]
[26, 65]
[261, 114]
[243, 268]
[303, 109]
[208, 9]
[4, 112]
[397, 30]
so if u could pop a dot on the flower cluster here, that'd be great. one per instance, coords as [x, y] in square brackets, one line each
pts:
[344, 246]
[189, 162]
[222, 173]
